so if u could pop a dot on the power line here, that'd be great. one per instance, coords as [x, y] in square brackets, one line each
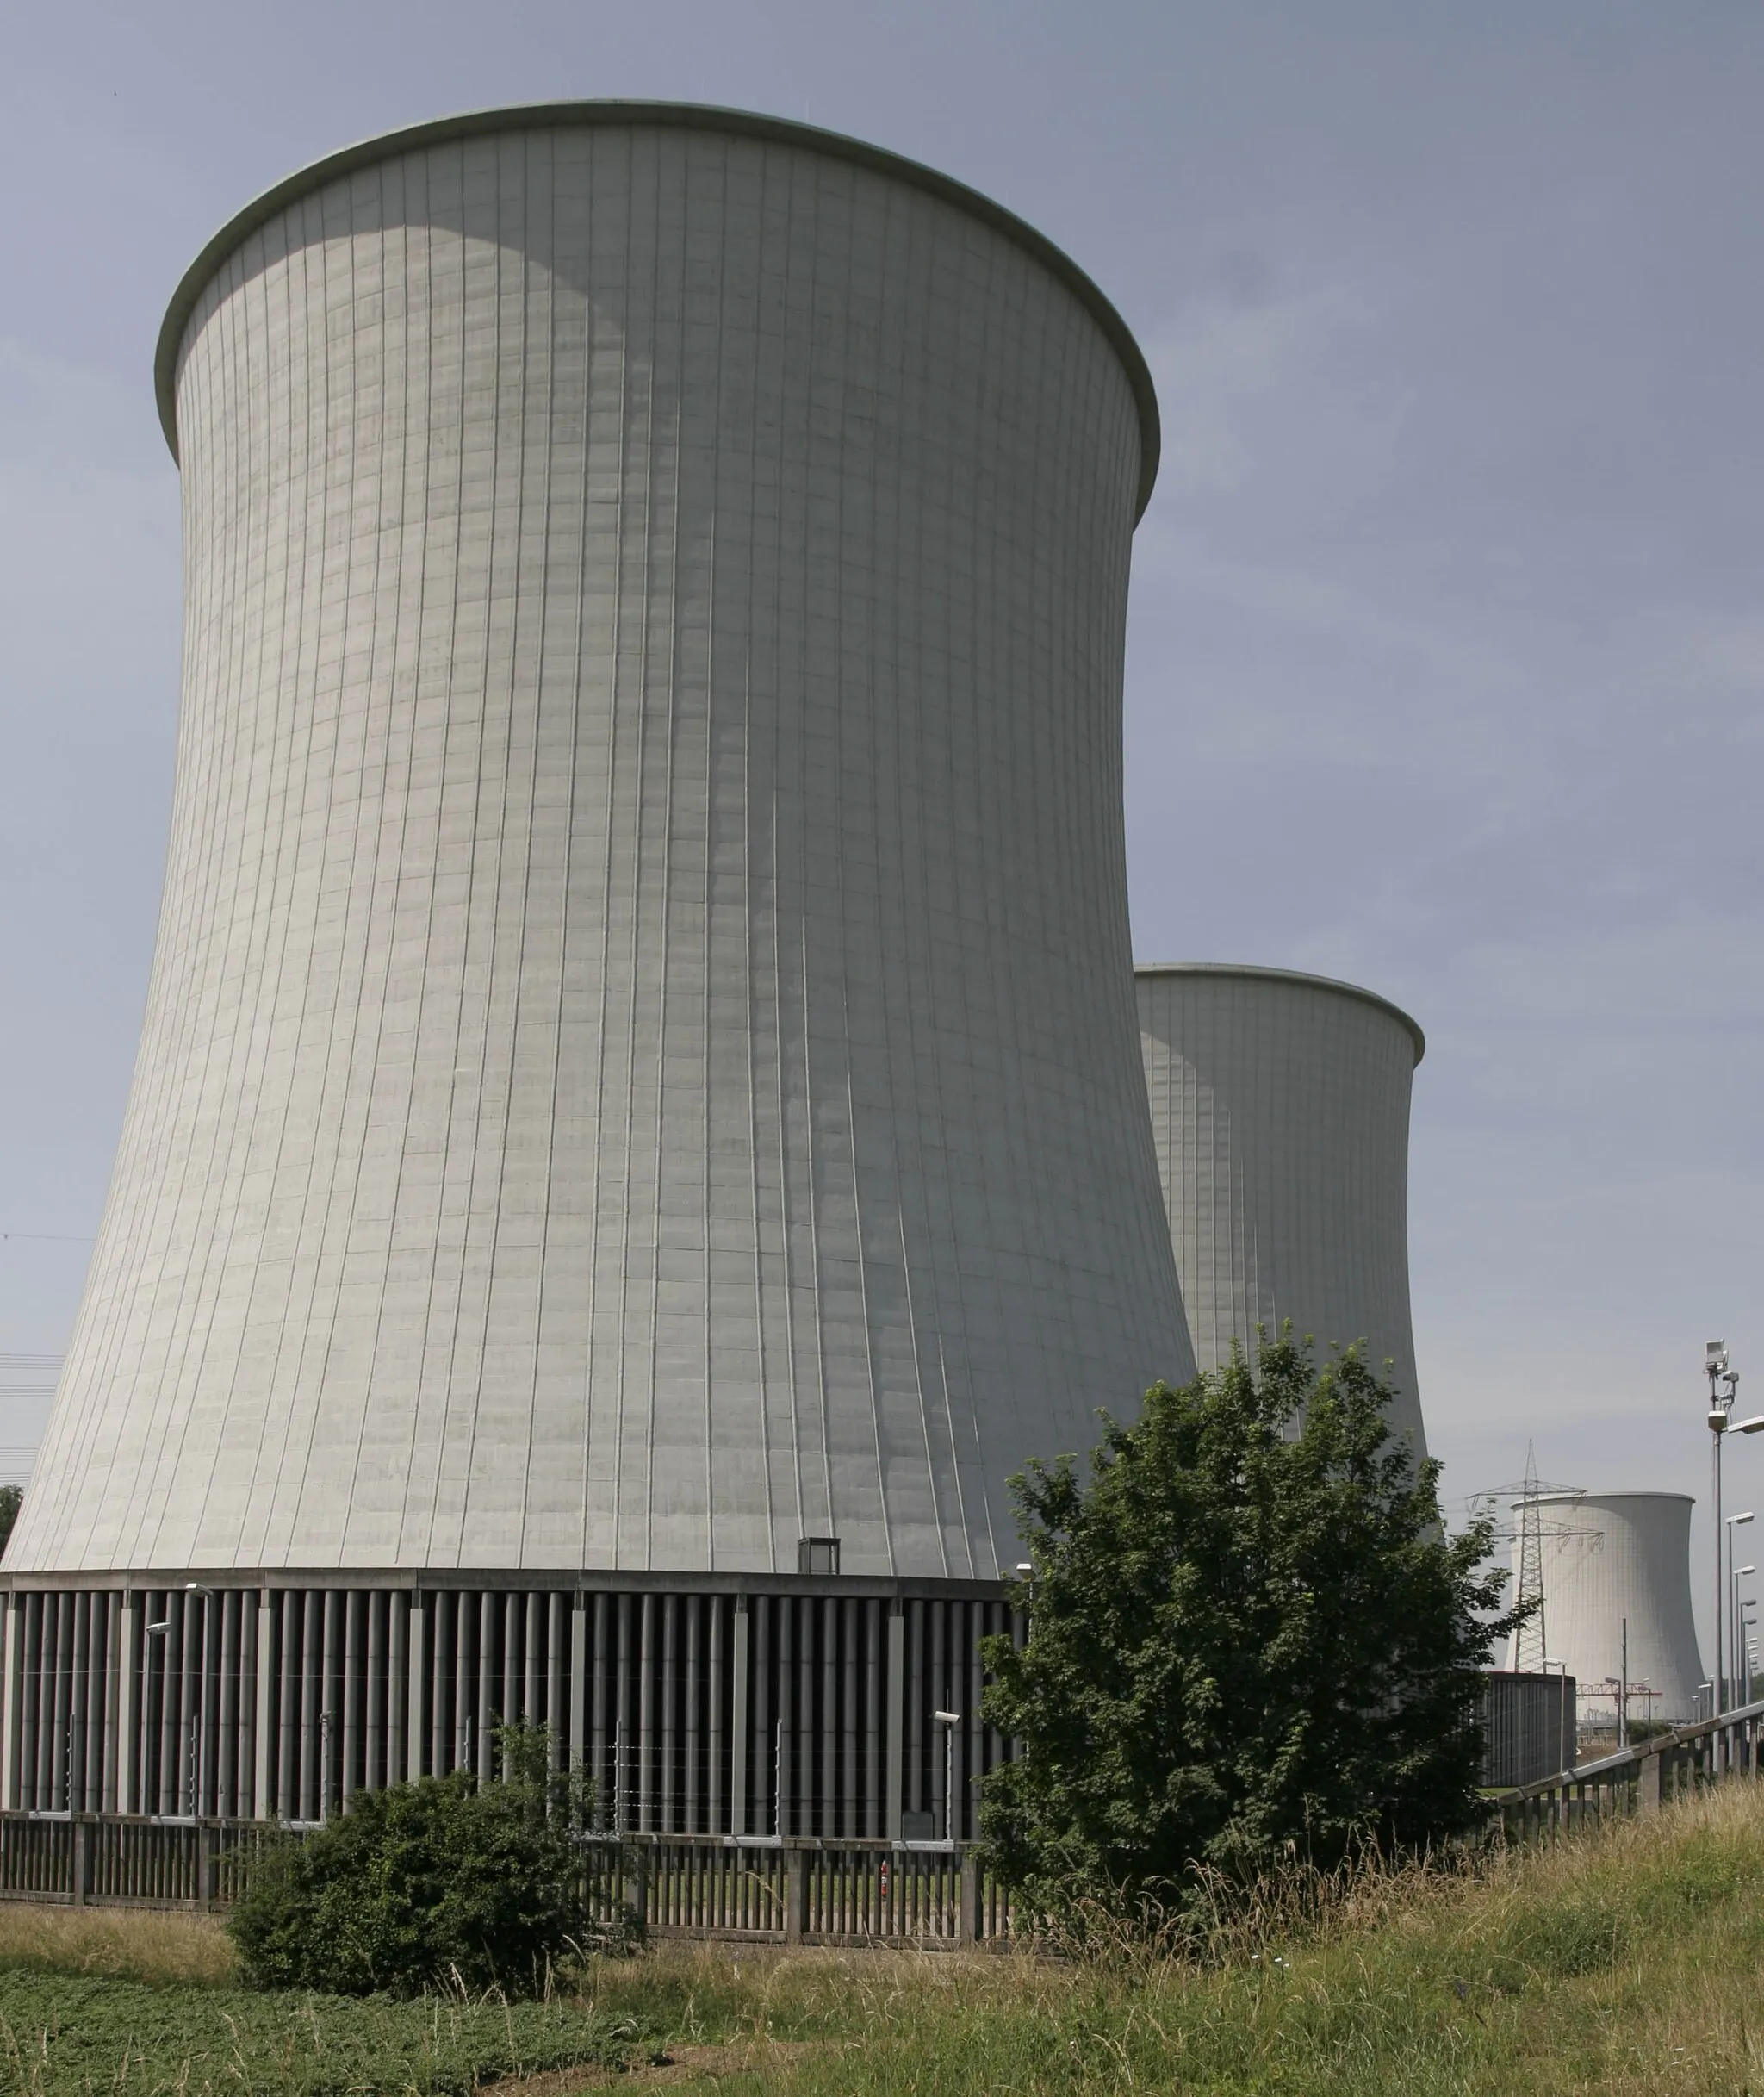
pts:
[49, 1237]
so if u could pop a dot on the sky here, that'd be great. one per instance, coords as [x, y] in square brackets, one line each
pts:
[1446, 642]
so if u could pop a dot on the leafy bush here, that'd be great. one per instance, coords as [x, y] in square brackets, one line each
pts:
[1250, 1641]
[441, 1883]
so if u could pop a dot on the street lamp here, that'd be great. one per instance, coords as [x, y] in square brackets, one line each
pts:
[1719, 1371]
[1725, 1655]
[949, 1720]
[1734, 1575]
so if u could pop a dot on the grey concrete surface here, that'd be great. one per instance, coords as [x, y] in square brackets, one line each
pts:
[1280, 1104]
[639, 1065]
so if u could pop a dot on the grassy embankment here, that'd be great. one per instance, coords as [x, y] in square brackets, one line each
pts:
[1625, 1963]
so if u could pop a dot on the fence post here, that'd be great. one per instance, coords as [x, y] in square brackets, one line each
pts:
[636, 1883]
[82, 1862]
[209, 1837]
[968, 1894]
[1647, 1784]
[796, 1895]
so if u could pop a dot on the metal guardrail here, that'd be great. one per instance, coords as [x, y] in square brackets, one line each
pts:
[1637, 1780]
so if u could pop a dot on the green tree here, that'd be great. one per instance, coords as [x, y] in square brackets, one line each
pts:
[440, 1883]
[1251, 1639]
[11, 1499]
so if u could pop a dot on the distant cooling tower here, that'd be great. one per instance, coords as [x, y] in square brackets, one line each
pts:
[1280, 1105]
[636, 1114]
[1611, 1559]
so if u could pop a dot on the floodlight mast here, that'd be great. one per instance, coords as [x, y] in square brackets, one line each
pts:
[1719, 1371]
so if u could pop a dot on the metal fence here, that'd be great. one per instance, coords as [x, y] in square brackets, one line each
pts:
[793, 1891]
[1639, 1780]
[783, 1889]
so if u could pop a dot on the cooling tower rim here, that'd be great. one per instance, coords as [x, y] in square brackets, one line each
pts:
[681, 115]
[1596, 1499]
[1291, 975]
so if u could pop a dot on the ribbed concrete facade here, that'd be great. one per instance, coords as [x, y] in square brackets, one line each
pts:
[1280, 1105]
[638, 1068]
[1611, 1559]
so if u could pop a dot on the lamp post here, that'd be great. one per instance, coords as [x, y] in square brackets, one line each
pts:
[1717, 1369]
[1724, 1653]
[1734, 1575]
[949, 1720]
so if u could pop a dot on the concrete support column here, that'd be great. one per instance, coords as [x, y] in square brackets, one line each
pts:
[12, 1704]
[738, 1722]
[128, 1723]
[579, 1683]
[416, 1715]
[264, 1743]
[896, 1718]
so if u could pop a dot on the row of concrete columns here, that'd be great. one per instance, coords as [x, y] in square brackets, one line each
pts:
[762, 1715]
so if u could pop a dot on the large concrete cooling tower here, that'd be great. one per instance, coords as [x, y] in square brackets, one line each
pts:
[1280, 1104]
[1608, 1560]
[638, 1084]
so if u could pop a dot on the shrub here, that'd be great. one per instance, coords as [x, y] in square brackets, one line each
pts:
[1251, 1642]
[444, 1882]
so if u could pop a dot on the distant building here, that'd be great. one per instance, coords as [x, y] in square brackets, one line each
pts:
[1530, 1726]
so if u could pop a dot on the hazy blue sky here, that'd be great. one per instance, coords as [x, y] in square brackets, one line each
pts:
[1447, 638]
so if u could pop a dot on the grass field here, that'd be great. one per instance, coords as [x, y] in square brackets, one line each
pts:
[1629, 1962]
[134, 2004]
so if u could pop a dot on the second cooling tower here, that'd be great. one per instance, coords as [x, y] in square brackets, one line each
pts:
[1280, 1106]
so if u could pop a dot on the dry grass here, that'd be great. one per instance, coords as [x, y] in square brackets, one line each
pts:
[1625, 1963]
[162, 1949]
